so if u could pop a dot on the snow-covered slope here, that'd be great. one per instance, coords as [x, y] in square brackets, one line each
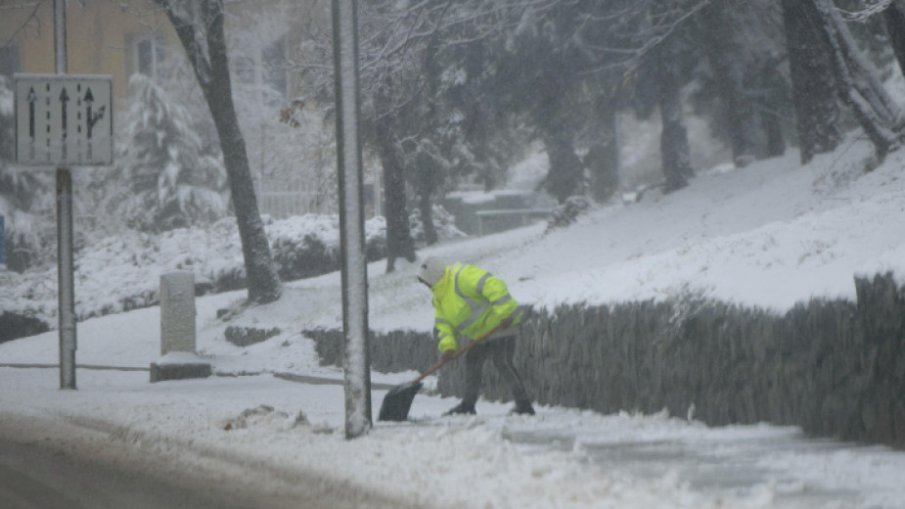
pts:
[768, 235]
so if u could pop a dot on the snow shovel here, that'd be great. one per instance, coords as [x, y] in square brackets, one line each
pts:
[398, 401]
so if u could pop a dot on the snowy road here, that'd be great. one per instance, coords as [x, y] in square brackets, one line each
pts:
[55, 465]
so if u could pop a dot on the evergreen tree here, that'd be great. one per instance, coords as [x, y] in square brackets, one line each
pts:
[168, 182]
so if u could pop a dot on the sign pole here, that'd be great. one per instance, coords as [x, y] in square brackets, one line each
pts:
[356, 361]
[65, 278]
[2, 248]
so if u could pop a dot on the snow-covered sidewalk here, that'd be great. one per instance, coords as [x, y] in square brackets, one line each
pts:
[560, 458]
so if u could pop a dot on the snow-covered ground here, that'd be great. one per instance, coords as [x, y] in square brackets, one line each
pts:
[767, 235]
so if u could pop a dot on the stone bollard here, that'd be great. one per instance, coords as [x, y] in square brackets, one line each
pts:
[177, 330]
[177, 312]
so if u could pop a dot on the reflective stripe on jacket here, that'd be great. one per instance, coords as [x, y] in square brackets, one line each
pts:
[470, 302]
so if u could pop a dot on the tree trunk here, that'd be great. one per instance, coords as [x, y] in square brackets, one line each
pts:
[894, 16]
[768, 79]
[776, 144]
[674, 150]
[859, 83]
[859, 72]
[476, 128]
[565, 173]
[813, 80]
[399, 237]
[425, 181]
[602, 159]
[425, 207]
[723, 53]
[214, 80]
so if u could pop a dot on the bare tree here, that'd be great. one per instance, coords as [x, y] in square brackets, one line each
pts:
[200, 27]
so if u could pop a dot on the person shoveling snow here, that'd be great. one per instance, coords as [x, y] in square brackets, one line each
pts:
[471, 303]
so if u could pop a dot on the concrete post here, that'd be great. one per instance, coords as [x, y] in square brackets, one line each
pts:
[177, 312]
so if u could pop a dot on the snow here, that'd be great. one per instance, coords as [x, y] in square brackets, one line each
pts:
[478, 197]
[123, 271]
[7, 100]
[769, 235]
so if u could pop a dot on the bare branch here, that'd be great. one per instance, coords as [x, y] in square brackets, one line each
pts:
[32, 16]
[872, 8]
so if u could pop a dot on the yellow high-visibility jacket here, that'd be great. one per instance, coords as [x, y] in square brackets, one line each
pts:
[470, 302]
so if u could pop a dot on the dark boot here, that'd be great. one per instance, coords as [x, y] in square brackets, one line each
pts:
[522, 407]
[462, 408]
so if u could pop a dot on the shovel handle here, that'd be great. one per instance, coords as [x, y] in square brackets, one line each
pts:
[431, 370]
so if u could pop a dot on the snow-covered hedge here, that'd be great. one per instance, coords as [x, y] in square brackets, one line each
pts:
[833, 367]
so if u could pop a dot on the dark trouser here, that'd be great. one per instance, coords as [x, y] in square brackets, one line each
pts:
[502, 351]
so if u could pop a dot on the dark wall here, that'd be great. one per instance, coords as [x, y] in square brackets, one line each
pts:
[833, 367]
[13, 325]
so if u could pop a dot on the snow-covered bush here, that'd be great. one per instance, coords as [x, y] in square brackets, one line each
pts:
[122, 272]
[169, 181]
[569, 212]
[309, 247]
[444, 222]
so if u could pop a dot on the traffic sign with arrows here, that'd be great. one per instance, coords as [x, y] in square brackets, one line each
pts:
[64, 119]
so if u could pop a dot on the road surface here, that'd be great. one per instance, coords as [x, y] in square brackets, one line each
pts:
[54, 465]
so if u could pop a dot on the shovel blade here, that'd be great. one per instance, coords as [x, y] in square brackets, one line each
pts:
[398, 401]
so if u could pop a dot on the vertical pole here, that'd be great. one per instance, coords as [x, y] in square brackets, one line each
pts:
[616, 154]
[2, 247]
[59, 35]
[356, 362]
[65, 279]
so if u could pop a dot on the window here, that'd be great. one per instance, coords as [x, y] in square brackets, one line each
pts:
[148, 55]
[9, 60]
